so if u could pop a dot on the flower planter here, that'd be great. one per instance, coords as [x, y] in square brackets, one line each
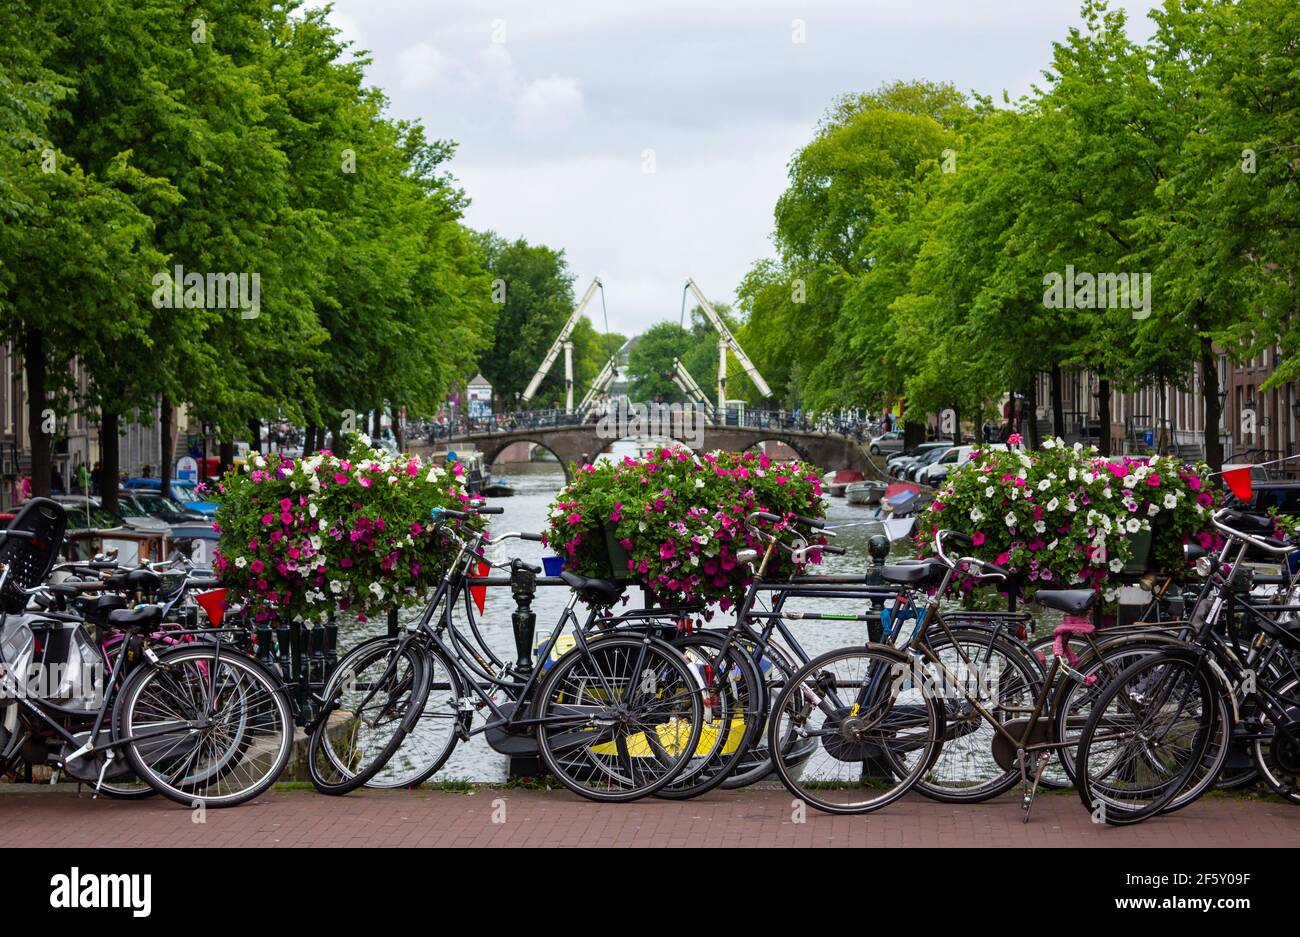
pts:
[619, 557]
[1141, 558]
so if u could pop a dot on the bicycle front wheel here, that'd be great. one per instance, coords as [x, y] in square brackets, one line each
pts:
[206, 727]
[874, 724]
[620, 718]
[1146, 736]
[371, 701]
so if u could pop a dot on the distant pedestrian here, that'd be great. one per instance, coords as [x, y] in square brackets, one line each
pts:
[83, 479]
[96, 478]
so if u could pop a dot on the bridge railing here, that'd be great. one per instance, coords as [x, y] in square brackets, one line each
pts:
[777, 421]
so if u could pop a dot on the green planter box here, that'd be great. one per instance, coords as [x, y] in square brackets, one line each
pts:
[1141, 557]
[618, 557]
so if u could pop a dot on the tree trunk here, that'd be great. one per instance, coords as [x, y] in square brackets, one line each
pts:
[225, 456]
[1031, 407]
[35, 364]
[376, 421]
[309, 440]
[109, 468]
[166, 445]
[1210, 393]
[956, 426]
[1103, 408]
[399, 436]
[255, 430]
[1058, 405]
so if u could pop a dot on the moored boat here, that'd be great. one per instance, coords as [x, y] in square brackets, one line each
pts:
[864, 492]
[841, 480]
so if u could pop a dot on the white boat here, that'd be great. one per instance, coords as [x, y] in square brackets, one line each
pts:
[864, 492]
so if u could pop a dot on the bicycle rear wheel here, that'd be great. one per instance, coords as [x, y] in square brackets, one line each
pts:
[1146, 736]
[619, 718]
[877, 729]
[371, 702]
[732, 717]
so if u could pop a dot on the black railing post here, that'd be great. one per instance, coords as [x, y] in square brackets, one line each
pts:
[523, 588]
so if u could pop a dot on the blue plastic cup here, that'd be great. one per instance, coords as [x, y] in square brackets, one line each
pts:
[552, 565]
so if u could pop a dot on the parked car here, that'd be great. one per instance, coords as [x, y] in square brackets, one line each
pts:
[154, 504]
[1284, 496]
[897, 465]
[182, 492]
[927, 458]
[953, 458]
[128, 514]
[891, 441]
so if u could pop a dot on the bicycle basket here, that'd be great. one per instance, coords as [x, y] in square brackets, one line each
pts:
[30, 559]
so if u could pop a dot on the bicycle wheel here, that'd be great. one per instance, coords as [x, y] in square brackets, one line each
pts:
[732, 714]
[620, 718]
[775, 668]
[997, 673]
[1277, 754]
[206, 727]
[373, 699]
[876, 726]
[433, 737]
[1147, 732]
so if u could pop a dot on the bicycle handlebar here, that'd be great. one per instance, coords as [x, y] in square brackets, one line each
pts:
[1258, 520]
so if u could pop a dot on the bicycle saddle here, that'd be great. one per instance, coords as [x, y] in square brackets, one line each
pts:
[596, 591]
[1070, 601]
[1256, 525]
[130, 617]
[914, 573]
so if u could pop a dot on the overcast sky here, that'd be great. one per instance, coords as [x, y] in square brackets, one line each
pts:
[560, 108]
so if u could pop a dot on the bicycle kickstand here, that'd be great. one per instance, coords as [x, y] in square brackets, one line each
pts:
[1031, 790]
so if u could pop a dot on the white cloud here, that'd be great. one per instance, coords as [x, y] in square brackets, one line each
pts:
[548, 105]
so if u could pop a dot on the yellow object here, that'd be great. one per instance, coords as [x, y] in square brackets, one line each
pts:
[673, 735]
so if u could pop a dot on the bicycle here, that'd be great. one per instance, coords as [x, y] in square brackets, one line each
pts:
[615, 718]
[1150, 730]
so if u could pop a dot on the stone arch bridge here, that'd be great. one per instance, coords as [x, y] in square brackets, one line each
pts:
[579, 444]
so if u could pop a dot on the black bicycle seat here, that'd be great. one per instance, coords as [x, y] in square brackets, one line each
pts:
[135, 617]
[914, 573]
[1070, 601]
[596, 591]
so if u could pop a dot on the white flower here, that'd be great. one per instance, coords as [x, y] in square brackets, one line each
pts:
[976, 515]
[1116, 565]
[240, 562]
[1040, 526]
[1129, 481]
[1010, 519]
[1133, 525]
[1074, 473]
[377, 589]
[321, 525]
[335, 586]
[313, 509]
[699, 483]
[1152, 509]
[1049, 443]
[1044, 485]
[1171, 501]
[1052, 546]
[315, 541]
[1053, 504]
[988, 492]
[1105, 492]
[1089, 478]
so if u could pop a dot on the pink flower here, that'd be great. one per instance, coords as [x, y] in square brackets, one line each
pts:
[667, 550]
[257, 566]
[364, 481]
[978, 538]
[1015, 439]
[285, 504]
[340, 478]
[575, 518]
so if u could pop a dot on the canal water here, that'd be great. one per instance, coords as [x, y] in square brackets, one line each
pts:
[535, 485]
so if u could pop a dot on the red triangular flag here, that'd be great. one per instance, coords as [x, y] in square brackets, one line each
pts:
[1239, 481]
[214, 603]
[479, 593]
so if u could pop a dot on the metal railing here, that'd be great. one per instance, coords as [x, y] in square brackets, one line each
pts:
[777, 421]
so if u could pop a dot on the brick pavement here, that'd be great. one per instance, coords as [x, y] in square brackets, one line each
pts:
[556, 818]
